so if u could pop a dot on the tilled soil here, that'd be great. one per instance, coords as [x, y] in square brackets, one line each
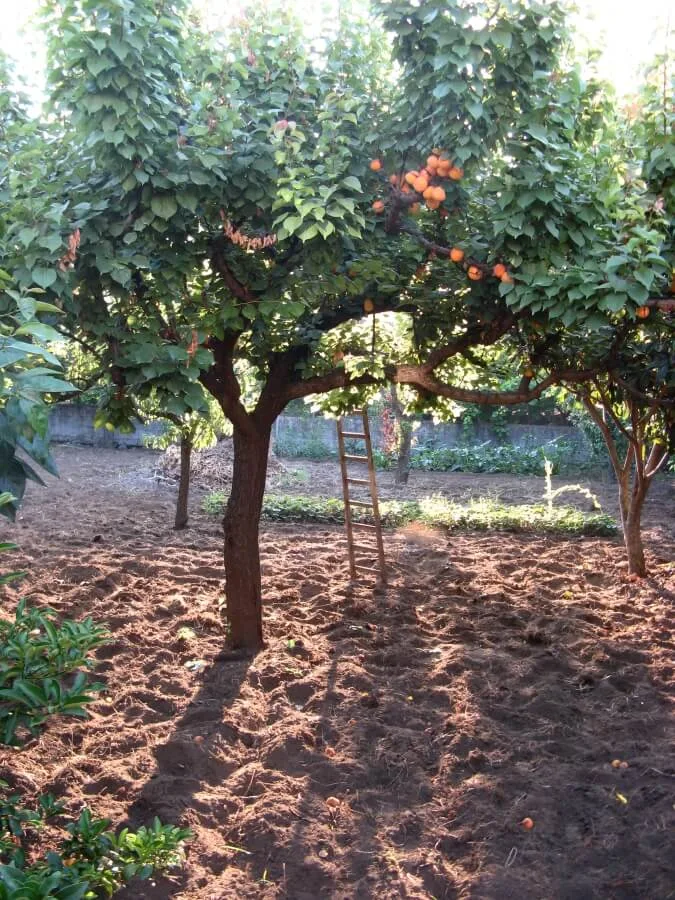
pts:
[495, 678]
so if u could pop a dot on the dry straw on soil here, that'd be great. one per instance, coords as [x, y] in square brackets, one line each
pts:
[209, 469]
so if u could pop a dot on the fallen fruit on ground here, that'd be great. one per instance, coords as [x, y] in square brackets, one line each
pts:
[527, 823]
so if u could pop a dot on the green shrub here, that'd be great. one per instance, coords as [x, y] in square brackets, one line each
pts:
[480, 514]
[37, 657]
[89, 860]
[488, 458]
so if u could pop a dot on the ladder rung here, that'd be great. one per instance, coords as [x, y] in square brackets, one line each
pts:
[364, 547]
[364, 503]
[353, 434]
[359, 458]
[364, 525]
[358, 481]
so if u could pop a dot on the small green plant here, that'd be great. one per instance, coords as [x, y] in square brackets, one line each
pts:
[89, 859]
[550, 493]
[38, 656]
[438, 512]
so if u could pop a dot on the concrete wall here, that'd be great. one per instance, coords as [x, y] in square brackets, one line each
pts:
[74, 424]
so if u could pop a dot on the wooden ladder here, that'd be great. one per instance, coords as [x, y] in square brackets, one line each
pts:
[374, 529]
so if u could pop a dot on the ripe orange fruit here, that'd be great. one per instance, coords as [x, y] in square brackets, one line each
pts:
[439, 194]
[429, 193]
[443, 169]
[376, 165]
[368, 305]
[433, 204]
[474, 273]
[411, 177]
[432, 162]
[506, 278]
[527, 823]
[456, 173]
[499, 270]
[378, 206]
[642, 312]
[456, 255]
[421, 184]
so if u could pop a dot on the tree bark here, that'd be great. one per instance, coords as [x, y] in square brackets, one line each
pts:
[404, 450]
[184, 484]
[243, 591]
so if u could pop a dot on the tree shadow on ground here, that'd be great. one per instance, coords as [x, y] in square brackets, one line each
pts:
[390, 743]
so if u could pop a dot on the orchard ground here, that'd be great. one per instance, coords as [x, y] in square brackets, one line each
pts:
[496, 678]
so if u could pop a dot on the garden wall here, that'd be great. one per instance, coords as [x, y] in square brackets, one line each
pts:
[295, 435]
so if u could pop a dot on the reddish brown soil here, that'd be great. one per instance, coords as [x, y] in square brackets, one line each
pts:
[495, 678]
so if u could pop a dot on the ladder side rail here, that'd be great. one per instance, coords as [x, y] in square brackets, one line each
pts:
[346, 498]
[373, 493]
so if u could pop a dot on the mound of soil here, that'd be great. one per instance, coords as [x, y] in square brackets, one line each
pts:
[388, 743]
[210, 469]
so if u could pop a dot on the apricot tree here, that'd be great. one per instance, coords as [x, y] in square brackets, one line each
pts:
[230, 209]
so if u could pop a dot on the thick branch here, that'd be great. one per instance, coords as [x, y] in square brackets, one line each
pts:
[220, 265]
[221, 382]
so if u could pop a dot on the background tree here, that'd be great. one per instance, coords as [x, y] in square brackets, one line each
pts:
[223, 191]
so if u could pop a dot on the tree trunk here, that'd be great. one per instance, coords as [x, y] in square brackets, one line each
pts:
[404, 439]
[184, 483]
[632, 498]
[243, 591]
[405, 446]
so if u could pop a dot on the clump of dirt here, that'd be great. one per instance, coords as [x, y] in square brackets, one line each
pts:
[210, 469]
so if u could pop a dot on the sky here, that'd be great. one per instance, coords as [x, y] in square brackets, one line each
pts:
[628, 33]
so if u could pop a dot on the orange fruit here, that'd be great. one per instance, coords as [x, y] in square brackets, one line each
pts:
[474, 273]
[432, 162]
[528, 373]
[421, 184]
[411, 177]
[527, 823]
[506, 278]
[439, 194]
[443, 169]
[414, 209]
[499, 270]
[376, 165]
[433, 204]
[456, 173]
[616, 763]
[429, 193]
[406, 189]
[456, 255]
[642, 312]
[378, 206]
[368, 305]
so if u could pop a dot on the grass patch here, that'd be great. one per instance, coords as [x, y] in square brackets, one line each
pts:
[477, 515]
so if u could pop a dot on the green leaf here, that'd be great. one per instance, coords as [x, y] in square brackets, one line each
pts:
[163, 205]
[43, 277]
[352, 182]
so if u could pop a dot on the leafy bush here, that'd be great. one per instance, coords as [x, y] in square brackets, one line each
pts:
[480, 514]
[89, 860]
[487, 458]
[307, 448]
[37, 656]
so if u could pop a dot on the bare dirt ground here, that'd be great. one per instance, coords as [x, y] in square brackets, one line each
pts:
[496, 678]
